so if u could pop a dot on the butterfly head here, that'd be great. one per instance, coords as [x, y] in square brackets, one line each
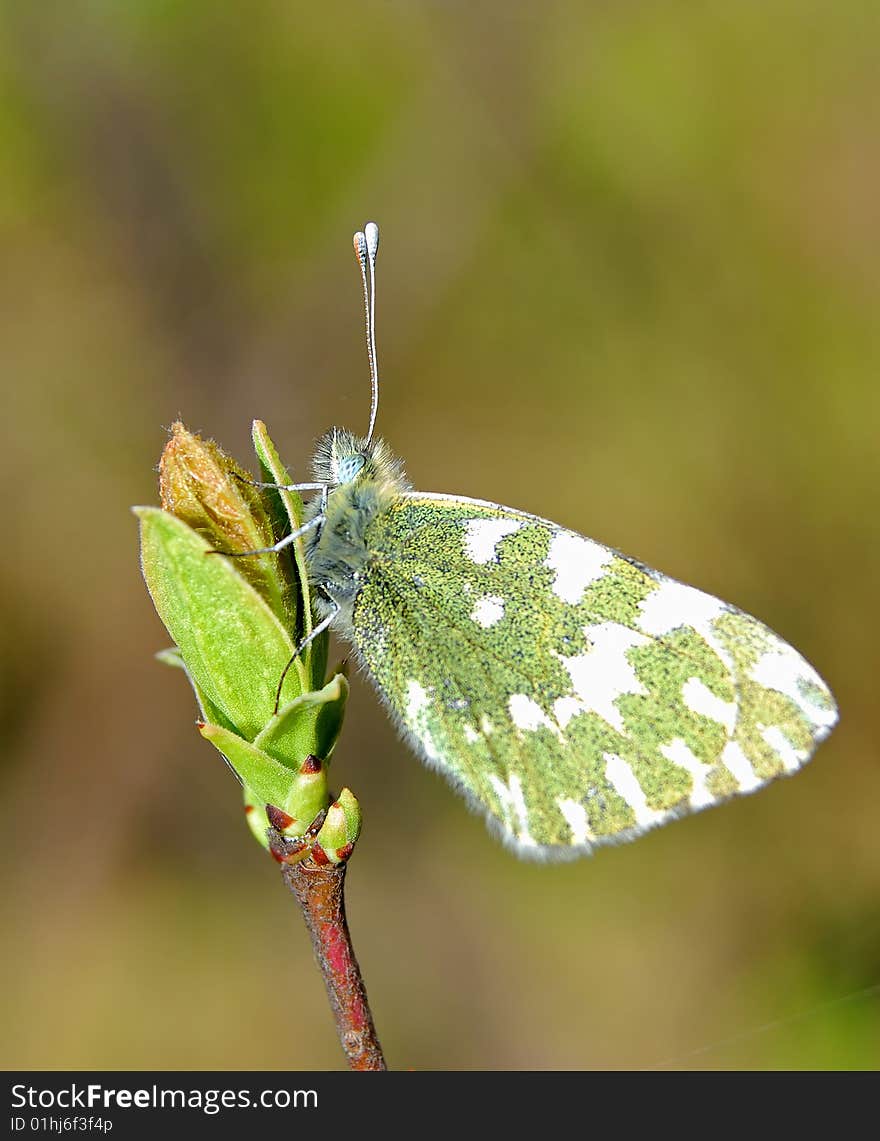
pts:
[344, 459]
[340, 457]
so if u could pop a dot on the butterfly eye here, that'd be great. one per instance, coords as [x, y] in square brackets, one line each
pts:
[349, 468]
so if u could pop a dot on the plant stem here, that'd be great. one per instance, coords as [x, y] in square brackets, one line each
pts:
[319, 890]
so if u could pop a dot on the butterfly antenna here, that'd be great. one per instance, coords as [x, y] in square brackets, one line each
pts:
[366, 246]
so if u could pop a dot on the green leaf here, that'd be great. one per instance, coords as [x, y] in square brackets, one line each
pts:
[269, 780]
[274, 471]
[255, 814]
[233, 645]
[308, 725]
[208, 710]
[301, 794]
[341, 827]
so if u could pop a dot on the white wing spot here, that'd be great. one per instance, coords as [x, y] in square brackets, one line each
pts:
[576, 817]
[564, 708]
[782, 669]
[471, 735]
[624, 781]
[681, 754]
[577, 562]
[487, 611]
[673, 604]
[416, 700]
[482, 536]
[514, 804]
[603, 674]
[486, 726]
[527, 715]
[741, 767]
[791, 757]
[700, 699]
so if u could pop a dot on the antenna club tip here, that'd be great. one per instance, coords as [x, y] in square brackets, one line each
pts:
[359, 241]
[371, 234]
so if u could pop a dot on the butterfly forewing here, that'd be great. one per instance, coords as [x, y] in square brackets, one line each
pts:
[574, 696]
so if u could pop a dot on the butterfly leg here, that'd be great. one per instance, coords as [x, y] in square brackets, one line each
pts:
[279, 546]
[322, 487]
[319, 629]
[281, 486]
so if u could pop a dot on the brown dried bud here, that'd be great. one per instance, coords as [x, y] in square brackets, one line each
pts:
[207, 489]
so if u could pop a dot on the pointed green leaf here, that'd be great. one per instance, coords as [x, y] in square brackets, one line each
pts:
[308, 725]
[301, 794]
[268, 779]
[274, 471]
[208, 710]
[234, 646]
[256, 817]
[170, 656]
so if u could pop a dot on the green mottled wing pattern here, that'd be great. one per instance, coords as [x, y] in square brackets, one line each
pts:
[574, 696]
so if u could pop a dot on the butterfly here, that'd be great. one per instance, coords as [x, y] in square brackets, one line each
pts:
[574, 696]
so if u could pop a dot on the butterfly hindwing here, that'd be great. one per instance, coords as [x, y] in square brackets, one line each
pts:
[574, 696]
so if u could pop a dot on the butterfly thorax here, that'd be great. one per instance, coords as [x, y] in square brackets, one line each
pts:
[364, 479]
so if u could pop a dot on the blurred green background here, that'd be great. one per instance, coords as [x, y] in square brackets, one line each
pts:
[629, 280]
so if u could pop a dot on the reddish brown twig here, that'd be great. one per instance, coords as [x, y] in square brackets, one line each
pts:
[319, 890]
